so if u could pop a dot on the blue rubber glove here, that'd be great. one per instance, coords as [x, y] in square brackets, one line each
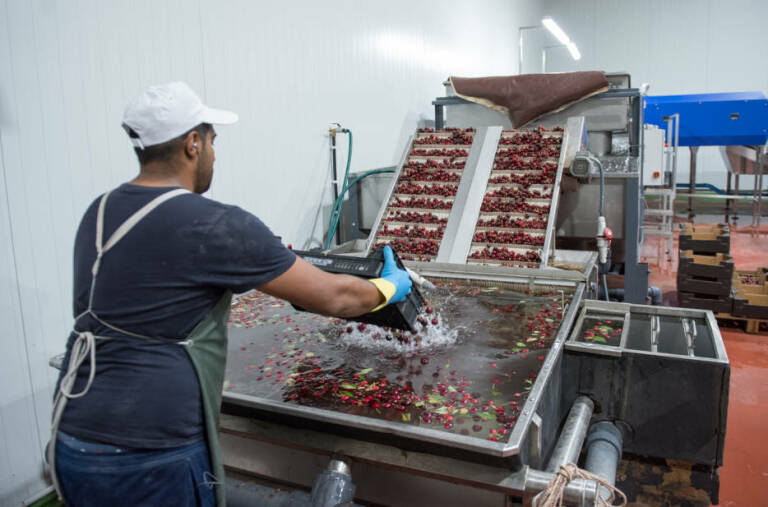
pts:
[395, 283]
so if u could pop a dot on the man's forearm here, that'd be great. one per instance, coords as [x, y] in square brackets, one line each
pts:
[325, 293]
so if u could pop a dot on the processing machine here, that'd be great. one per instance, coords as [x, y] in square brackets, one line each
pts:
[512, 370]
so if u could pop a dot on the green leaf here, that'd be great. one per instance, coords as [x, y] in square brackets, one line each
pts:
[496, 393]
[406, 417]
[485, 416]
[452, 389]
[418, 404]
[436, 398]
[346, 385]
[442, 410]
[365, 371]
[520, 344]
[599, 339]
[346, 393]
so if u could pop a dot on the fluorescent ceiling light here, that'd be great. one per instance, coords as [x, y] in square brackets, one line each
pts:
[573, 50]
[558, 32]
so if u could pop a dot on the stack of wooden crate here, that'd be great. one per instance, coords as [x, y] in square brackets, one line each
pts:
[705, 269]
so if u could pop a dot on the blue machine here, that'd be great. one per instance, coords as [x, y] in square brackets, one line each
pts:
[716, 119]
[713, 119]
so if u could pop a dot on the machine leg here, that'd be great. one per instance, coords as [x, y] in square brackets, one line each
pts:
[635, 274]
[758, 201]
[728, 192]
[736, 192]
[692, 190]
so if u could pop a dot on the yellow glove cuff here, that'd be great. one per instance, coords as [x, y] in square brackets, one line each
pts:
[386, 288]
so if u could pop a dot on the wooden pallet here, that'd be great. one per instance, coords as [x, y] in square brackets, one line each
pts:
[752, 326]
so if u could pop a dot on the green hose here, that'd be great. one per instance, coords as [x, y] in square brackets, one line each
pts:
[344, 190]
[337, 206]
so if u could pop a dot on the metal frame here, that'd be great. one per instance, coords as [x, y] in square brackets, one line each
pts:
[518, 435]
[390, 193]
[469, 198]
[574, 138]
[548, 276]
[627, 309]
[621, 311]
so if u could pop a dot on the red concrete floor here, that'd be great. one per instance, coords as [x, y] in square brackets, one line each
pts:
[744, 475]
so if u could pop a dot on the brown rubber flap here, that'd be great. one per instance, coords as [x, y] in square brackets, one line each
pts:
[524, 98]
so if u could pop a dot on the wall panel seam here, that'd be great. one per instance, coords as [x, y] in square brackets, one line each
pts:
[22, 321]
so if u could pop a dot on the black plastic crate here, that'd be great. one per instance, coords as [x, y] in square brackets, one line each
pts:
[401, 315]
[717, 304]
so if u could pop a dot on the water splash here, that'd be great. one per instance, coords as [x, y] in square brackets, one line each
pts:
[374, 338]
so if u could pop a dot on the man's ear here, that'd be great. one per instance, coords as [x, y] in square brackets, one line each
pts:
[193, 144]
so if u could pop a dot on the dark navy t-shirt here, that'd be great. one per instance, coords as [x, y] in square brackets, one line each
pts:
[160, 280]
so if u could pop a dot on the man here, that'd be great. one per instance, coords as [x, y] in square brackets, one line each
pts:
[136, 411]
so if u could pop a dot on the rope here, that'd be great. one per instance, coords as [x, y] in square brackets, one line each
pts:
[83, 348]
[552, 496]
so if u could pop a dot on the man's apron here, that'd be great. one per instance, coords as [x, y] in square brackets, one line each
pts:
[206, 346]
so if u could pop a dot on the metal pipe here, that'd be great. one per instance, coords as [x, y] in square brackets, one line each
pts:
[569, 444]
[604, 444]
[577, 492]
[334, 486]
[333, 162]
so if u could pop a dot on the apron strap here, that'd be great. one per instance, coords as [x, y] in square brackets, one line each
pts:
[84, 345]
[125, 227]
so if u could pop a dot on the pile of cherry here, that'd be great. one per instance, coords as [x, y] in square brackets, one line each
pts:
[513, 216]
[602, 332]
[750, 279]
[415, 219]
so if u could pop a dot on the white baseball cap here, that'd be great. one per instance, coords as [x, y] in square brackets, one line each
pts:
[163, 112]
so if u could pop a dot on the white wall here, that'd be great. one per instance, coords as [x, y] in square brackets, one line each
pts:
[289, 69]
[678, 46]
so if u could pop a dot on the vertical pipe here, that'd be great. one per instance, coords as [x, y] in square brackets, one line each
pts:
[569, 444]
[604, 444]
[333, 163]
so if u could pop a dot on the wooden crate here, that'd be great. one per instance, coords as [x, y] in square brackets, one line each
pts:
[717, 304]
[753, 305]
[753, 281]
[717, 267]
[708, 239]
